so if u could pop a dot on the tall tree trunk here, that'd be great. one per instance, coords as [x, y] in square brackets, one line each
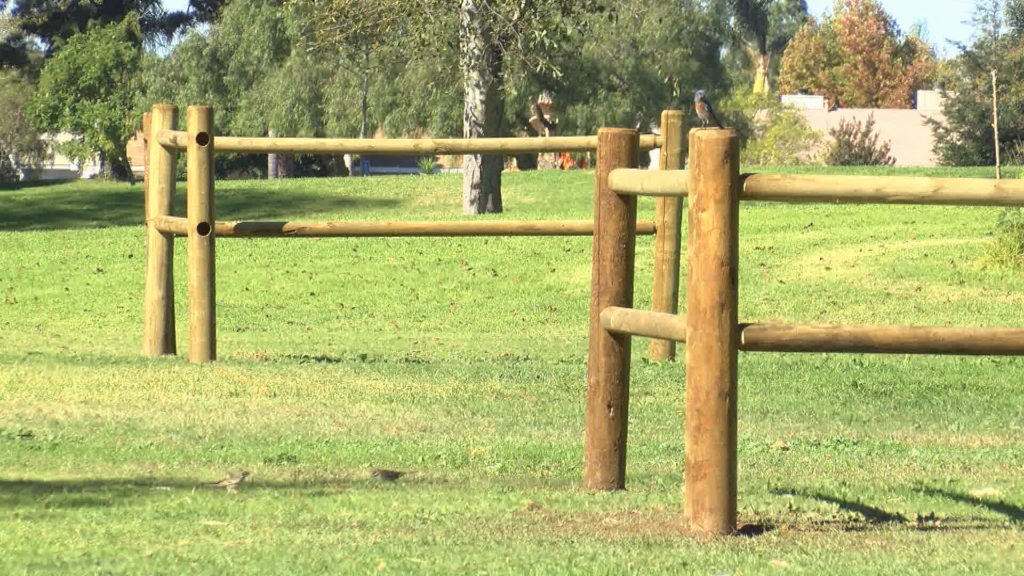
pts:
[762, 63]
[274, 163]
[364, 125]
[481, 63]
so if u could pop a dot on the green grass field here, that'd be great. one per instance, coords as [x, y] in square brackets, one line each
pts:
[462, 363]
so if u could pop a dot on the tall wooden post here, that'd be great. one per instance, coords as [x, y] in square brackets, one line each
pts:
[668, 217]
[147, 135]
[712, 332]
[607, 398]
[158, 301]
[202, 334]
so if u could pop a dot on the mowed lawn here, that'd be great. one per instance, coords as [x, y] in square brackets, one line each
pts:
[462, 362]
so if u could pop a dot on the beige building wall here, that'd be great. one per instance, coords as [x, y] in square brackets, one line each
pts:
[907, 131]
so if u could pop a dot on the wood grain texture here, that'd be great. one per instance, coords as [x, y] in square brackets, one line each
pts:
[712, 334]
[424, 146]
[607, 395]
[343, 229]
[202, 316]
[668, 241]
[158, 334]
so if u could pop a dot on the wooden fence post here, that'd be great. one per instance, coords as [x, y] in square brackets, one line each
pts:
[712, 332]
[202, 334]
[158, 335]
[147, 135]
[607, 397]
[668, 217]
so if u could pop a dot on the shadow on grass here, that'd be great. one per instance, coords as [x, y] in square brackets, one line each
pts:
[103, 492]
[102, 205]
[871, 514]
[1014, 513]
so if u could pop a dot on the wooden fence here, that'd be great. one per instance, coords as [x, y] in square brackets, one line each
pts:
[710, 329]
[201, 229]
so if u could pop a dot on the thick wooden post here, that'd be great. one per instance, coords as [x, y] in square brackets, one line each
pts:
[668, 218]
[158, 300]
[607, 399]
[712, 332]
[202, 333]
[147, 135]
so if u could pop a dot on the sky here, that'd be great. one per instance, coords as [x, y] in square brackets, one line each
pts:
[944, 19]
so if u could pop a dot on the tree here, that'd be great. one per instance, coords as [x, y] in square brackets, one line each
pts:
[18, 138]
[857, 58]
[966, 136]
[764, 28]
[490, 36]
[631, 59]
[55, 21]
[88, 90]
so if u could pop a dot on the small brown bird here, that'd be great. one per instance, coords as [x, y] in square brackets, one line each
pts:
[704, 110]
[386, 475]
[231, 483]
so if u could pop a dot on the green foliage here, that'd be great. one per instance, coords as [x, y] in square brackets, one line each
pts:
[856, 144]
[427, 164]
[965, 136]
[858, 58]
[1007, 248]
[89, 91]
[771, 134]
[633, 59]
[18, 138]
[54, 22]
[261, 71]
[760, 32]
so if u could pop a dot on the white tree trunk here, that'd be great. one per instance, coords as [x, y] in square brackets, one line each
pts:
[481, 64]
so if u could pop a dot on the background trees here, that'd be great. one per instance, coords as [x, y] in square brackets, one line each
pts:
[966, 137]
[18, 137]
[760, 32]
[88, 90]
[473, 67]
[857, 58]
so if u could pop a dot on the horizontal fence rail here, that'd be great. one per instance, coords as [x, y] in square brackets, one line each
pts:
[836, 189]
[177, 140]
[639, 182]
[830, 338]
[179, 226]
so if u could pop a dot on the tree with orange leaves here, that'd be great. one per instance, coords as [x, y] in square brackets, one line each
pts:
[857, 57]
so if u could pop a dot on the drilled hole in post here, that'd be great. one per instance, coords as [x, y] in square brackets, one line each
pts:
[203, 138]
[203, 228]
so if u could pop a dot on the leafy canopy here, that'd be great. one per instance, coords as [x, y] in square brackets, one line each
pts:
[88, 90]
[857, 58]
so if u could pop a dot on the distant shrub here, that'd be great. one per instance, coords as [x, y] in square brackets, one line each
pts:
[1007, 249]
[856, 144]
[781, 136]
[8, 174]
[1013, 153]
[770, 132]
[427, 164]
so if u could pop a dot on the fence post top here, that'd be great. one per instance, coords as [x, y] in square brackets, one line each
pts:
[164, 106]
[713, 133]
[609, 130]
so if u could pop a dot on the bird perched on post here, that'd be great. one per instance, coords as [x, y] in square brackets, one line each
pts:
[704, 110]
[231, 483]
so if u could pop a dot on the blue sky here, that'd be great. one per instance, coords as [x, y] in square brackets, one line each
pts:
[944, 19]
